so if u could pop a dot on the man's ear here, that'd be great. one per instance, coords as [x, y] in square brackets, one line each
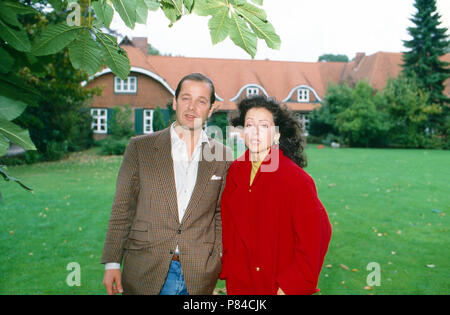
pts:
[174, 102]
[213, 108]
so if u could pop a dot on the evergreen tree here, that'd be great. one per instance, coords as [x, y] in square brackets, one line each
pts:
[428, 43]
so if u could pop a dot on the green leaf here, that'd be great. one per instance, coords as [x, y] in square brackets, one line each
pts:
[152, 5]
[11, 109]
[4, 146]
[15, 87]
[177, 4]
[6, 61]
[20, 8]
[209, 7]
[263, 30]
[84, 53]
[114, 56]
[189, 5]
[54, 38]
[170, 12]
[241, 35]
[17, 39]
[141, 12]
[219, 25]
[9, 15]
[251, 9]
[104, 12]
[56, 4]
[127, 11]
[16, 135]
[258, 2]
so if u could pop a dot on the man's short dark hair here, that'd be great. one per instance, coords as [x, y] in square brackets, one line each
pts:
[199, 78]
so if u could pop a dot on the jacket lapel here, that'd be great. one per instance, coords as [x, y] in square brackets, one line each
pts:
[204, 173]
[165, 170]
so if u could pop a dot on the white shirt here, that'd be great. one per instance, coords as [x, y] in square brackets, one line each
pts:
[185, 172]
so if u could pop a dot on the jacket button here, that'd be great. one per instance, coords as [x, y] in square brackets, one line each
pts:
[250, 190]
[257, 269]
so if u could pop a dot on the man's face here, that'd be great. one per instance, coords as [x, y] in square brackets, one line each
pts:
[193, 104]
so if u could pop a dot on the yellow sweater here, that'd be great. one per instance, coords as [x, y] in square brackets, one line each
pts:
[255, 168]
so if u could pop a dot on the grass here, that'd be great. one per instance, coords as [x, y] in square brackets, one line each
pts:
[386, 206]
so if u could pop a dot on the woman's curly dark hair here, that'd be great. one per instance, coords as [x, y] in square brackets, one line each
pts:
[291, 139]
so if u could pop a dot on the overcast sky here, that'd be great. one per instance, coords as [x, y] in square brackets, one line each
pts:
[308, 29]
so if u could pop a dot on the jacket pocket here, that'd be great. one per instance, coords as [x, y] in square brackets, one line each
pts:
[139, 231]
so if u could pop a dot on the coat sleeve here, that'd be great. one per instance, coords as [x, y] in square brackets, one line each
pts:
[217, 215]
[124, 206]
[312, 231]
[226, 225]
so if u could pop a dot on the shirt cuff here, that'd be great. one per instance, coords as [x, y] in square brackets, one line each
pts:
[109, 266]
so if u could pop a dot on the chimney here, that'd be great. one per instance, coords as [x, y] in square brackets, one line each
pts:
[141, 43]
[359, 57]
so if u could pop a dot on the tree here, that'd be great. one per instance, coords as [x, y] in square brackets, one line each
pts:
[361, 124]
[158, 119]
[409, 114]
[429, 42]
[322, 121]
[219, 120]
[60, 122]
[152, 51]
[333, 58]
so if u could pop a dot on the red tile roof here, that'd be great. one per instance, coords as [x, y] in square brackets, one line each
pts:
[278, 78]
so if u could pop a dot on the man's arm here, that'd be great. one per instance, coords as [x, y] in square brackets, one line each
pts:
[122, 214]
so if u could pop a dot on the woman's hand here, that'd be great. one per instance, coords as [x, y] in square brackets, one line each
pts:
[280, 292]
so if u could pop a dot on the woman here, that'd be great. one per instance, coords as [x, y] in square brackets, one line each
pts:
[275, 229]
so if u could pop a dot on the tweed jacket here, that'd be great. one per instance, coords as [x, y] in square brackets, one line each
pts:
[144, 228]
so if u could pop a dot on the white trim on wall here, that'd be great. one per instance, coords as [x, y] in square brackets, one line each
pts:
[302, 87]
[251, 85]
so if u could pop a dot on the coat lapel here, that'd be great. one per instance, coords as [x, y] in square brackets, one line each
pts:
[165, 170]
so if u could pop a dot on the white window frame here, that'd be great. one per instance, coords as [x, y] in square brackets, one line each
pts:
[251, 91]
[99, 120]
[303, 95]
[147, 116]
[125, 86]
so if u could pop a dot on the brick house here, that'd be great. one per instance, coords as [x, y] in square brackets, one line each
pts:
[300, 85]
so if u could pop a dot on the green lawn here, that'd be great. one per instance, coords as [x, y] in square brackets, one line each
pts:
[390, 207]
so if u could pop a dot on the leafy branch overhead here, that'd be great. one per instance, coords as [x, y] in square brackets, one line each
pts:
[90, 47]
[244, 22]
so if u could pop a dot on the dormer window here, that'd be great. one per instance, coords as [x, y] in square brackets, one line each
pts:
[303, 95]
[252, 91]
[129, 85]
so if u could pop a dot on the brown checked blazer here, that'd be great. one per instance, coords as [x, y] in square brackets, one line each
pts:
[144, 228]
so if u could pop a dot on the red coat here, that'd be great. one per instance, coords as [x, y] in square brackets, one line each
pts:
[275, 232]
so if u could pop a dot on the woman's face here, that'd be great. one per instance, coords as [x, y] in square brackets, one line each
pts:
[259, 130]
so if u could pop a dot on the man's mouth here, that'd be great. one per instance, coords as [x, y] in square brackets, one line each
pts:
[190, 117]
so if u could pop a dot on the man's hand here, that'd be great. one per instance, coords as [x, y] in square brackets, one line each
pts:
[113, 281]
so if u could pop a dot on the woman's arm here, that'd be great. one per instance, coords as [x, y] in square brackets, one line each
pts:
[312, 231]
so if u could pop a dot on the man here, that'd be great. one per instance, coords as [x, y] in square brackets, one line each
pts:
[165, 223]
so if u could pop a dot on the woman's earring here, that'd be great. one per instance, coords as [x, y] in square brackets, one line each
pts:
[277, 142]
